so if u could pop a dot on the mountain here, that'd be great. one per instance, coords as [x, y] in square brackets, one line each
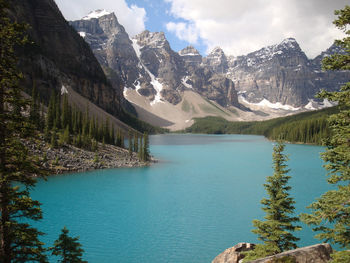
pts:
[282, 74]
[154, 76]
[58, 58]
[170, 88]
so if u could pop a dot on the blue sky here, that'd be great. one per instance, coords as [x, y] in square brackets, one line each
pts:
[158, 15]
[237, 26]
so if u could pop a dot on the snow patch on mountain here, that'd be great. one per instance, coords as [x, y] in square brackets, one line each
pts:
[137, 48]
[314, 105]
[154, 81]
[268, 104]
[64, 90]
[184, 82]
[96, 14]
[82, 34]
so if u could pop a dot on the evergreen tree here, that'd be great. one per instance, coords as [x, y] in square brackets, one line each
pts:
[68, 248]
[130, 143]
[19, 242]
[66, 136]
[57, 121]
[34, 107]
[53, 140]
[330, 214]
[51, 113]
[145, 151]
[136, 143]
[65, 112]
[276, 230]
[140, 150]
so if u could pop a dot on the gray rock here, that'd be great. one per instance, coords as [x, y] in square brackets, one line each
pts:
[319, 253]
[233, 254]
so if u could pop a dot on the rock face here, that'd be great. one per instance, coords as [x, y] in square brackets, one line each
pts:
[147, 63]
[282, 73]
[60, 57]
[319, 253]
[233, 254]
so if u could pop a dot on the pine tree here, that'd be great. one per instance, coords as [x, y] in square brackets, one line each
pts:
[130, 143]
[19, 242]
[51, 113]
[276, 230]
[34, 108]
[140, 150]
[136, 143]
[68, 248]
[330, 214]
[65, 112]
[145, 151]
[57, 121]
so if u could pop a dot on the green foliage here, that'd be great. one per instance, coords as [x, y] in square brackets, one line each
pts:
[330, 214]
[340, 257]
[306, 127]
[96, 158]
[68, 248]
[260, 251]
[276, 230]
[19, 242]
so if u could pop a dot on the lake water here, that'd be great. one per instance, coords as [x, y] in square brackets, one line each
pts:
[197, 201]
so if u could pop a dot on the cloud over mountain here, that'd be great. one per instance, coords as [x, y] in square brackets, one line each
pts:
[242, 26]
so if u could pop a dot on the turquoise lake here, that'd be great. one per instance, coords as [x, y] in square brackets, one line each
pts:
[198, 200]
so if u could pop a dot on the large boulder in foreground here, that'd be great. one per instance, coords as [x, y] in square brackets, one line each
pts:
[320, 253]
[233, 254]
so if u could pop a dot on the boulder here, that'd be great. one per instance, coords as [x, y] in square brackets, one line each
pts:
[233, 254]
[320, 253]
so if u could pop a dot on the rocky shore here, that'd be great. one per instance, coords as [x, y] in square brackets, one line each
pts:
[68, 158]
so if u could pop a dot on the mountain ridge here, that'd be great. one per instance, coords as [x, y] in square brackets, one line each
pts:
[273, 81]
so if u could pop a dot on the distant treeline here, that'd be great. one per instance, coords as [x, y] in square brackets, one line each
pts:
[307, 127]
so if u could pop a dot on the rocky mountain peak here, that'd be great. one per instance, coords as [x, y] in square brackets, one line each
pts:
[216, 60]
[152, 39]
[96, 14]
[189, 51]
[334, 48]
[216, 52]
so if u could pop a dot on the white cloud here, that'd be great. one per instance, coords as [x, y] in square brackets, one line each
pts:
[131, 17]
[183, 31]
[242, 26]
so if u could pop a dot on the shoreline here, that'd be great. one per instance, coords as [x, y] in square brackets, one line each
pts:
[70, 159]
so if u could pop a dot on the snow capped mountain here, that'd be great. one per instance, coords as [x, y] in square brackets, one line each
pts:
[189, 51]
[276, 78]
[96, 14]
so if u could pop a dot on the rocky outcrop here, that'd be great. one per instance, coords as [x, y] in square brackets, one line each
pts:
[217, 61]
[233, 254]
[191, 57]
[319, 253]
